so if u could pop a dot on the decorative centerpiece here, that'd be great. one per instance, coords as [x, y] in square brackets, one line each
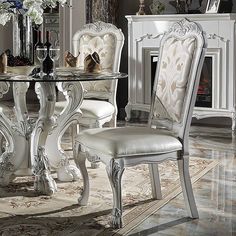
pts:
[25, 15]
[71, 60]
[92, 63]
[32, 8]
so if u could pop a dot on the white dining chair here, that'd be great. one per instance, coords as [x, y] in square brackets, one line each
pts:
[99, 105]
[181, 56]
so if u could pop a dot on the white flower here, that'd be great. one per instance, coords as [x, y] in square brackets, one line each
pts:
[62, 2]
[32, 3]
[33, 8]
[4, 18]
[36, 14]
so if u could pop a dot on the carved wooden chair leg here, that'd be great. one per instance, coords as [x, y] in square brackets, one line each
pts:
[183, 165]
[115, 170]
[80, 158]
[155, 181]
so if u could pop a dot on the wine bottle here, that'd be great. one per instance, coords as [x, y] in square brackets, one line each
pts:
[38, 44]
[47, 63]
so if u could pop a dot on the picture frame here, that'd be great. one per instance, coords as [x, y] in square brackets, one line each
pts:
[212, 6]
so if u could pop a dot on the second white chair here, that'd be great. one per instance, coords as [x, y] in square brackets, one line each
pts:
[99, 104]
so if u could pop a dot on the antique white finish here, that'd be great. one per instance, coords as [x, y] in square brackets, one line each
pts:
[35, 146]
[71, 113]
[99, 106]
[145, 33]
[14, 134]
[107, 40]
[182, 51]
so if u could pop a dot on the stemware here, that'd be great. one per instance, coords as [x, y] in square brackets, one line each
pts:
[41, 53]
[54, 54]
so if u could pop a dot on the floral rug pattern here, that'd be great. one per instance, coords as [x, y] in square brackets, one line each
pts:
[23, 212]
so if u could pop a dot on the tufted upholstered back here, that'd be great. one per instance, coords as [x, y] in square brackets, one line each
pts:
[107, 40]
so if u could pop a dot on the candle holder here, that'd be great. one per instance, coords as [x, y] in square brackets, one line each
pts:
[141, 8]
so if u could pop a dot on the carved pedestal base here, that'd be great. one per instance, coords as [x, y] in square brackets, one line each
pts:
[37, 144]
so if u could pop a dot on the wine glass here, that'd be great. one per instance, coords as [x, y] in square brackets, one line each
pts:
[54, 54]
[41, 53]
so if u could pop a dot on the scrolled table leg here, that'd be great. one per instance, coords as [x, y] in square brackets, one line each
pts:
[59, 160]
[17, 147]
[44, 183]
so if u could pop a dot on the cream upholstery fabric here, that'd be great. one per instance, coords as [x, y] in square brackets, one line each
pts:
[91, 109]
[129, 141]
[105, 46]
[174, 71]
[107, 41]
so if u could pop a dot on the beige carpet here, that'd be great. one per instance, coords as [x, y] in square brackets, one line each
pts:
[23, 213]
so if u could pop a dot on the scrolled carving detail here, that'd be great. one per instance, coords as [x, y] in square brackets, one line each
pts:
[4, 87]
[99, 26]
[44, 183]
[116, 217]
[41, 162]
[27, 127]
[115, 171]
[184, 27]
[73, 93]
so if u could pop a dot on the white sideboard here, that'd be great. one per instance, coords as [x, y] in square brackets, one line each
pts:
[144, 35]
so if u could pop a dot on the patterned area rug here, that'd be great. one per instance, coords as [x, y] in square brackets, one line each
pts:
[23, 212]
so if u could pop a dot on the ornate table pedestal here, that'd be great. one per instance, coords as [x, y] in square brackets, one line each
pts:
[35, 147]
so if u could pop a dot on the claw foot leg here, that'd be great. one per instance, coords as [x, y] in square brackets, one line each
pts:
[68, 173]
[45, 184]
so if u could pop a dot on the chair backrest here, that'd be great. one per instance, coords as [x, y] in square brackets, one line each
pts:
[182, 51]
[107, 40]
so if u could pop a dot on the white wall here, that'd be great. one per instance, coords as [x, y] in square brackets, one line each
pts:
[78, 15]
[71, 19]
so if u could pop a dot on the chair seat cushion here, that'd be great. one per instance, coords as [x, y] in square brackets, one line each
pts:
[128, 141]
[95, 109]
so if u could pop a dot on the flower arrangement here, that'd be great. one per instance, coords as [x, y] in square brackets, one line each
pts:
[33, 8]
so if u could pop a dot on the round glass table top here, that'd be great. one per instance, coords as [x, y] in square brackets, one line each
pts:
[64, 74]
